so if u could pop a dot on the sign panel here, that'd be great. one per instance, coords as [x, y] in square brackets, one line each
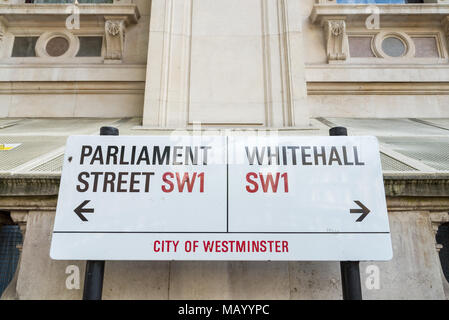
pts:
[221, 198]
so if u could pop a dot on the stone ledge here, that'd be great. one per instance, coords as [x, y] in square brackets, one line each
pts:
[377, 88]
[72, 87]
[430, 12]
[25, 12]
[417, 185]
[377, 73]
[396, 185]
[29, 185]
[60, 73]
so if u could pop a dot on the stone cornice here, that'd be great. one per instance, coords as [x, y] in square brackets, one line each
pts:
[29, 185]
[417, 185]
[377, 88]
[396, 185]
[72, 87]
[31, 12]
[393, 12]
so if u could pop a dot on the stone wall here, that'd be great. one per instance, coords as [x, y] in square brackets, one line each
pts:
[414, 272]
[108, 86]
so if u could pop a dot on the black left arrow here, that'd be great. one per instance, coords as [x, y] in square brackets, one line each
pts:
[80, 210]
[363, 210]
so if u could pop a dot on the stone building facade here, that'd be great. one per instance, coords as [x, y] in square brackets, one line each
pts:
[294, 67]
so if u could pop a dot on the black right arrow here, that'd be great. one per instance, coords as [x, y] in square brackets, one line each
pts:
[364, 211]
[80, 210]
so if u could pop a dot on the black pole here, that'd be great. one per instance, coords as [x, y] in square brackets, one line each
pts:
[93, 279]
[350, 280]
[350, 271]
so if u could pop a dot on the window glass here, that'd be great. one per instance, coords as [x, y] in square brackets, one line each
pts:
[24, 47]
[90, 47]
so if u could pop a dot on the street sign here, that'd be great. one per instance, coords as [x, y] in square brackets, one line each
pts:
[221, 198]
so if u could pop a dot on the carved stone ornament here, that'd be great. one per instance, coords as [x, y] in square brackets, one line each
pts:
[113, 28]
[115, 38]
[336, 40]
[337, 27]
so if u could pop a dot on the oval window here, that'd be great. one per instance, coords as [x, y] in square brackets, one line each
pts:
[394, 47]
[57, 46]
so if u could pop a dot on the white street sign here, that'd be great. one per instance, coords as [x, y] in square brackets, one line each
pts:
[221, 198]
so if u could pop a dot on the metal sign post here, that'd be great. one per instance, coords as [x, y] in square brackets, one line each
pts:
[93, 279]
[350, 271]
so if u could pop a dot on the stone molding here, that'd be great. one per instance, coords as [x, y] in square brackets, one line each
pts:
[58, 12]
[389, 13]
[73, 41]
[73, 87]
[72, 72]
[416, 185]
[29, 185]
[396, 185]
[375, 88]
[379, 38]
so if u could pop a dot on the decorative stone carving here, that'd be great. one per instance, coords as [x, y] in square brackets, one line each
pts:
[336, 40]
[114, 38]
[113, 28]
